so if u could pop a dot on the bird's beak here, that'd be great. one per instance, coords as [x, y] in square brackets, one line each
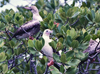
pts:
[51, 31]
[51, 34]
[28, 8]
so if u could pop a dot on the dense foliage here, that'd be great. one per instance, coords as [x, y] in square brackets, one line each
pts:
[76, 27]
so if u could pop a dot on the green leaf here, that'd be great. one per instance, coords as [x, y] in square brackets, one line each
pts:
[71, 70]
[1, 43]
[63, 30]
[18, 19]
[58, 20]
[61, 40]
[63, 58]
[39, 44]
[93, 14]
[2, 57]
[74, 44]
[30, 43]
[69, 40]
[87, 38]
[53, 44]
[97, 18]
[82, 56]
[8, 18]
[5, 68]
[74, 62]
[69, 55]
[75, 14]
[62, 69]
[39, 70]
[42, 61]
[72, 33]
[12, 43]
[15, 70]
[59, 46]
[18, 51]
[56, 57]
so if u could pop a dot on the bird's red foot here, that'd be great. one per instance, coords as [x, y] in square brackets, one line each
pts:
[30, 37]
[50, 63]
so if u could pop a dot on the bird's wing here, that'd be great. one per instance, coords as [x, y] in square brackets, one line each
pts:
[32, 25]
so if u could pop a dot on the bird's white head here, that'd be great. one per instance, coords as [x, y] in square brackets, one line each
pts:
[33, 9]
[35, 12]
[47, 32]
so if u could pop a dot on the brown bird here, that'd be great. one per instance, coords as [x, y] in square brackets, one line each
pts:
[92, 46]
[30, 28]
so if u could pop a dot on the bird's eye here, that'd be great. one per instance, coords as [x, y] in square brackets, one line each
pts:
[47, 31]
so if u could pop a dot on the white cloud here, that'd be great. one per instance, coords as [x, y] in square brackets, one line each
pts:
[69, 2]
[14, 3]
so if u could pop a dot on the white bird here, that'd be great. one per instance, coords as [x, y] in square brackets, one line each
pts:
[47, 49]
[30, 28]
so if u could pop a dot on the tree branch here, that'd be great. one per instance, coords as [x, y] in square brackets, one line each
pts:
[2, 37]
[66, 21]
[75, 22]
[46, 71]
[8, 34]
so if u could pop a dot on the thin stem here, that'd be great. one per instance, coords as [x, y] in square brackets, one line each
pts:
[75, 22]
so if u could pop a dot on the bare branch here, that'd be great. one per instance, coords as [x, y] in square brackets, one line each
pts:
[75, 22]
[8, 34]
[2, 37]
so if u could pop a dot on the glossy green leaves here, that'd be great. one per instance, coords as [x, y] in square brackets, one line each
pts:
[97, 17]
[74, 44]
[74, 62]
[2, 57]
[1, 43]
[72, 33]
[53, 44]
[63, 58]
[38, 44]
[18, 19]
[4, 68]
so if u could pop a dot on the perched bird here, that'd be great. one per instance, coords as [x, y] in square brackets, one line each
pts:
[92, 46]
[30, 28]
[47, 49]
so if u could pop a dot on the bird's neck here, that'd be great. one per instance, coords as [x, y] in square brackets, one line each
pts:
[36, 16]
[47, 39]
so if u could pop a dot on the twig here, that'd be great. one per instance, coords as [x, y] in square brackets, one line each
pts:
[15, 26]
[32, 65]
[2, 37]
[8, 34]
[93, 69]
[97, 46]
[98, 71]
[46, 71]
[94, 55]
[66, 21]
[75, 22]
